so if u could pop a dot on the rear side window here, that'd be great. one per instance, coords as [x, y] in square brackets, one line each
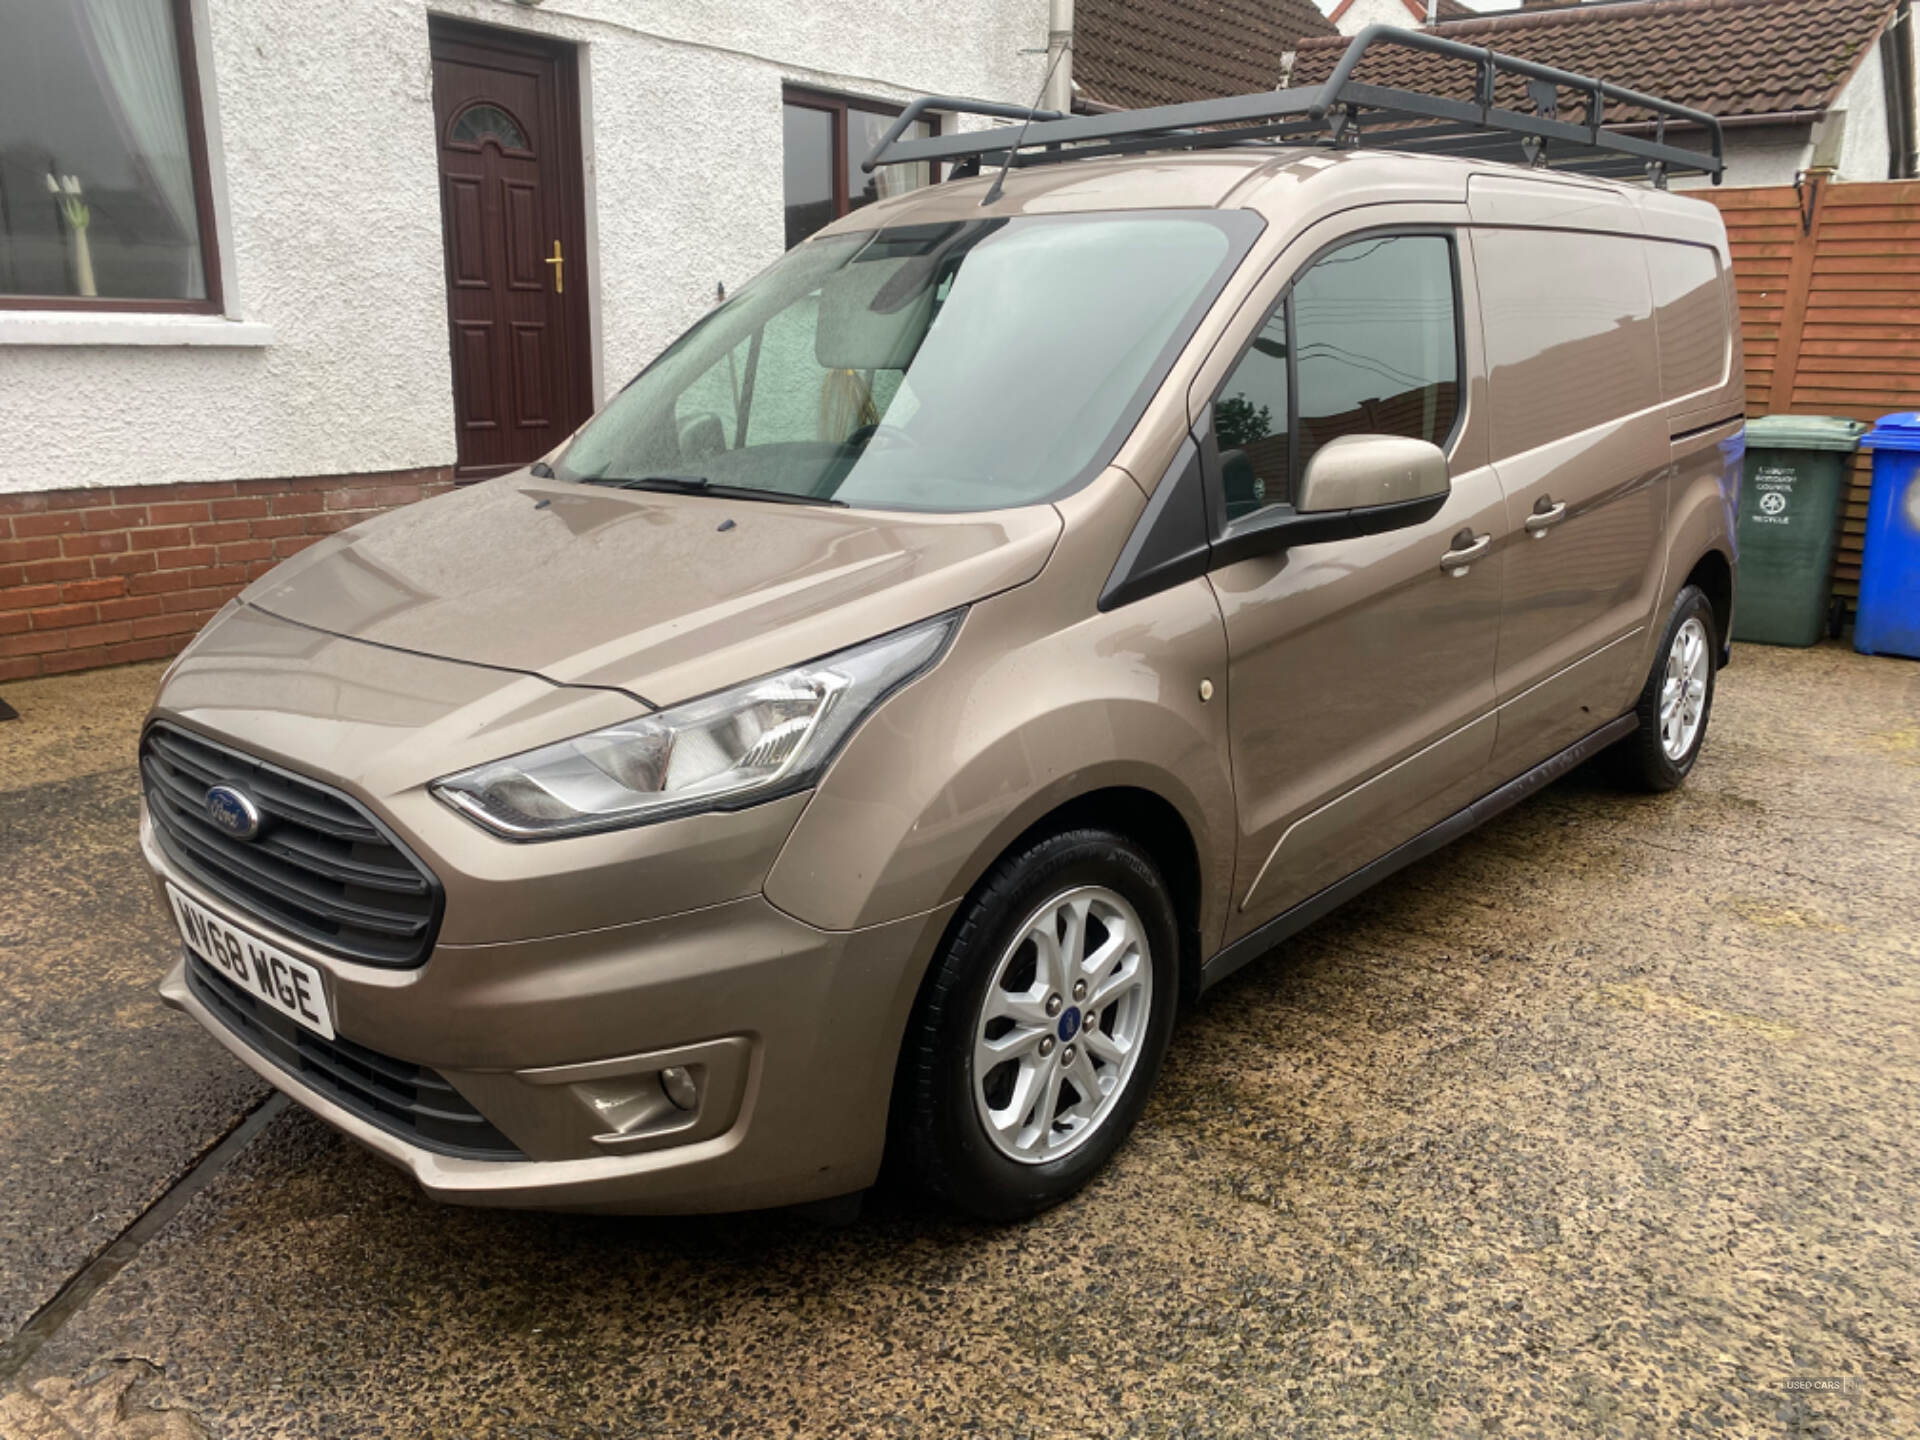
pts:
[1690, 310]
[1367, 342]
[1569, 332]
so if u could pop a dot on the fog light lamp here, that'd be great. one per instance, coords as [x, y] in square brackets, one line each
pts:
[677, 1081]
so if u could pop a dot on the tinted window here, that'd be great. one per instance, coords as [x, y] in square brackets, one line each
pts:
[1377, 349]
[1568, 324]
[954, 366]
[1250, 420]
[1378, 354]
[1690, 309]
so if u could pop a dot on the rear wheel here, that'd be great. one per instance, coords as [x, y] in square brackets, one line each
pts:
[1042, 1025]
[1676, 701]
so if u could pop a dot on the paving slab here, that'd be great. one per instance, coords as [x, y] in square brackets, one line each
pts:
[1599, 1122]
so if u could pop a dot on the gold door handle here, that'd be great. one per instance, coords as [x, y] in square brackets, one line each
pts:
[559, 263]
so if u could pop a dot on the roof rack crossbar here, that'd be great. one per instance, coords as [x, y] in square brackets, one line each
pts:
[953, 105]
[1170, 140]
[1510, 150]
[1434, 107]
[1340, 111]
[1491, 62]
[1116, 124]
[1462, 142]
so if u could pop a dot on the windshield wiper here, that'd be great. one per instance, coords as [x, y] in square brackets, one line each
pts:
[700, 485]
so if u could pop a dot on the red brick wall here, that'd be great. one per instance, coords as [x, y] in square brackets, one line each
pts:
[108, 576]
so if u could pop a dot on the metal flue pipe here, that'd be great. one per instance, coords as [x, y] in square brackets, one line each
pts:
[1058, 94]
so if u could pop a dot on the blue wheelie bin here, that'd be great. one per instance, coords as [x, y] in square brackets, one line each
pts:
[1888, 620]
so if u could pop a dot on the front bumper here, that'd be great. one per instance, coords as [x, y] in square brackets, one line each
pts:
[559, 1043]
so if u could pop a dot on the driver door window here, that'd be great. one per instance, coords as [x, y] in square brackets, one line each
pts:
[1360, 671]
[1366, 342]
[1379, 349]
[1252, 422]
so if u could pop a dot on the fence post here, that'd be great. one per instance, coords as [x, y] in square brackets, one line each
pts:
[1793, 312]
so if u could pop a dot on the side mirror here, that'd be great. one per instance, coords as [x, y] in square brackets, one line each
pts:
[1360, 472]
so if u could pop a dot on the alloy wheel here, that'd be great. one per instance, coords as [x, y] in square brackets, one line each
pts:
[1062, 1025]
[1683, 693]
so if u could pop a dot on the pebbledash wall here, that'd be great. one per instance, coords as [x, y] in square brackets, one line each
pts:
[151, 465]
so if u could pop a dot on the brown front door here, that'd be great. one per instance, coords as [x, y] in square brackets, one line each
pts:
[513, 219]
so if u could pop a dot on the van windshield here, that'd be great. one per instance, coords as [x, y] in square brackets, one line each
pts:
[967, 365]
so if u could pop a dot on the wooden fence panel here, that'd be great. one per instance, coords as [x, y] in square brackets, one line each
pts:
[1829, 287]
[1763, 227]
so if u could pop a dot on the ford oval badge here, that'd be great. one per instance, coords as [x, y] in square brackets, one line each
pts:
[232, 812]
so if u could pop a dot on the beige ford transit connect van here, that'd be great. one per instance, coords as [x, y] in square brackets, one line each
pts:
[1028, 601]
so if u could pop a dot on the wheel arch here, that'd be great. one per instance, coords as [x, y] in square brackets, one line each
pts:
[1124, 806]
[1713, 573]
[1154, 823]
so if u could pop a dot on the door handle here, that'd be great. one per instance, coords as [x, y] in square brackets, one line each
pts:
[1547, 513]
[1466, 549]
[559, 263]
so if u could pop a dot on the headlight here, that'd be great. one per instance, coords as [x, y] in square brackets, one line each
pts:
[765, 738]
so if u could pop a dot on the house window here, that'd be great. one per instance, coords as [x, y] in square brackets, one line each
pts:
[479, 123]
[827, 136]
[103, 163]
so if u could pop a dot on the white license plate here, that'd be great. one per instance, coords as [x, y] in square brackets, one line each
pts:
[289, 985]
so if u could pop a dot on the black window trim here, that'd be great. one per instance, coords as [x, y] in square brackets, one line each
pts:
[1252, 534]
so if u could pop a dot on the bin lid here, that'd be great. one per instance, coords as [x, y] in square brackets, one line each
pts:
[1810, 432]
[1895, 432]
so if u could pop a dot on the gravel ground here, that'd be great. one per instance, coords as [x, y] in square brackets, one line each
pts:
[1600, 1122]
[104, 1096]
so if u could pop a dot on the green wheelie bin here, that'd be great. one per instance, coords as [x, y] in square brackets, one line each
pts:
[1789, 519]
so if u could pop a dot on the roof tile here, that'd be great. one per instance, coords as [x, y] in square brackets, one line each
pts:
[1728, 57]
[1133, 53]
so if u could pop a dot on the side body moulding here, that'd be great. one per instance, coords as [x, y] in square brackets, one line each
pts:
[1252, 946]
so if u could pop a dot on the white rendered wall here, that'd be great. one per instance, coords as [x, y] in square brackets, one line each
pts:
[1760, 155]
[325, 116]
[1864, 153]
[1363, 13]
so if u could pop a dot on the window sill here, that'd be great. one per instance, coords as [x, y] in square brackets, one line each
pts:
[69, 327]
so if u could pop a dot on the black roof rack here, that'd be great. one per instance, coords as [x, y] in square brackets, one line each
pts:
[1344, 113]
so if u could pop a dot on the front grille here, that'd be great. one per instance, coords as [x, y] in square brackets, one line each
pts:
[321, 867]
[403, 1099]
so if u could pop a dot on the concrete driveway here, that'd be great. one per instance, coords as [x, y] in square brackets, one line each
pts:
[1602, 1122]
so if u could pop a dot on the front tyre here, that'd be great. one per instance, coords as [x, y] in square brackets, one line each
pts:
[1678, 697]
[1042, 1025]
